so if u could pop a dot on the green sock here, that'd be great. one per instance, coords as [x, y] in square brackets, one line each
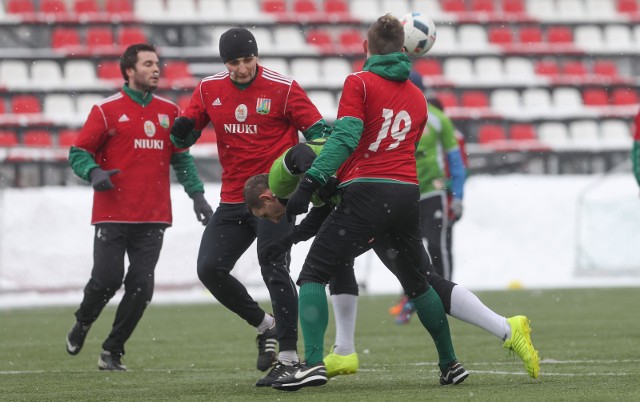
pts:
[430, 310]
[314, 318]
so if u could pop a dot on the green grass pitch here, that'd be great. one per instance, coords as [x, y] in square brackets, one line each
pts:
[588, 340]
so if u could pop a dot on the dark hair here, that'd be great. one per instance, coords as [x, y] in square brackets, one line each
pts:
[253, 187]
[130, 57]
[386, 35]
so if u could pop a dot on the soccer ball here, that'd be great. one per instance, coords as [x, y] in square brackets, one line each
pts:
[419, 33]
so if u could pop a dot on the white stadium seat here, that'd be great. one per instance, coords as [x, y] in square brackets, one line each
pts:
[489, 69]
[306, 71]
[366, 10]
[472, 37]
[79, 74]
[59, 107]
[14, 74]
[505, 101]
[584, 133]
[458, 69]
[334, 71]
[85, 102]
[46, 74]
[325, 102]
[212, 10]
[536, 100]
[276, 64]
[588, 37]
[553, 134]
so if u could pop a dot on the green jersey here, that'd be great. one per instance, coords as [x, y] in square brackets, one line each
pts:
[438, 140]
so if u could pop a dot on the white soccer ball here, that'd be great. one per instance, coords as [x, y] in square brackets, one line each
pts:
[419, 33]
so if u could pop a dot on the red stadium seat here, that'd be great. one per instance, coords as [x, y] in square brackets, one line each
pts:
[99, 36]
[110, 71]
[428, 67]
[3, 108]
[26, 104]
[513, 6]
[500, 35]
[20, 7]
[8, 139]
[547, 67]
[55, 7]
[351, 39]
[274, 6]
[627, 6]
[559, 35]
[305, 7]
[575, 68]
[453, 6]
[523, 132]
[37, 138]
[448, 99]
[624, 96]
[530, 35]
[177, 71]
[595, 97]
[475, 99]
[336, 7]
[606, 68]
[118, 7]
[131, 35]
[486, 6]
[67, 138]
[62, 38]
[321, 39]
[491, 133]
[86, 7]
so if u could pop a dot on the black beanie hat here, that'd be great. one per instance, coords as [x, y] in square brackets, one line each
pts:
[237, 43]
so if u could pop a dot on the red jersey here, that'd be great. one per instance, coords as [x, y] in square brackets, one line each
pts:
[636, 134]
[394, 114]
[122, 134]
[254, 126]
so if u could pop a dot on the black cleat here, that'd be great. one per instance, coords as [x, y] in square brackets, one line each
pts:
[279, 370]
[266, 342]
[110, 361]
[302, 376]
[76, 337]
[453, 375]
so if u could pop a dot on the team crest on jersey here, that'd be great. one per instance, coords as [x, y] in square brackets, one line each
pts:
[241, 113]
[163, 119]
[263, 106]
[149, 128]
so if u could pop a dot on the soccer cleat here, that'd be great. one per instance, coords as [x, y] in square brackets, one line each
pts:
[266, 342]
[279, 370]
[520, 344]
[404, 316]
[76, 337]
[302, 376]
[110, 362]
[453, 375]
[396, 309]
[340, 364]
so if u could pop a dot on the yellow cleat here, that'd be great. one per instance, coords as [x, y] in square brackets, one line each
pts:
[520, 344]
[341, 365]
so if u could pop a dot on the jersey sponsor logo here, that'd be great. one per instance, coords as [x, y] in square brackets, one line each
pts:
[149, 128]
[147, 143]
[123, 118]
[241, 128]
[216, 102]
[241, 113]
[163, 119]
[263, 105]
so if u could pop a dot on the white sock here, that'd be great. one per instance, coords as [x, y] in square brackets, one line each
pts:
[267, 322]
[345, 307]
[288, 357]
[467, 307]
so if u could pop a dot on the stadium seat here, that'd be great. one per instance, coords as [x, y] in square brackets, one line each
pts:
[615, 132]
[453, 6]
[485, 6]
[321, 39]
[85, 103]
[505, 101]
[513, 6]
[46, 74]
[3, 107]
[79, 74]
[595, 97]
[519, 69]
[53, 7]
[500, 35]
[536, 100]
[530, 34]
[20, 7]
[366, 10]
[605, 68]
[351, 40]
[542, 9]
[566, 100]
[474, 99]
[245, 10]
[547, 68]
[274, 6]
[289, 39]
[571, 10]
[120, 8]
[212, 10]
[624, 96]
[325, 101]
[574, 68]
[308, 7]
[177, 72]
[276, 64]
[458, 69]
[522, 132]
[334, 70]
[86, 7]
[627, 6]
[559, 34]
[37, 138]
[601, 10]
[131, 35]
[339, 7]
[584, 132]
[447, 39]
[400, 8]
[588, 37]
[59, 108]
[66, 138]
[618, 37]
[8, 139]
[489, 69]
[110, 71]
[99, 37]
[306, 71]
[553, 134]
[65, 38]
[448, 99]
[491, 133]
[472, 36]
[151, 10]
[429, 67]
[14, 74]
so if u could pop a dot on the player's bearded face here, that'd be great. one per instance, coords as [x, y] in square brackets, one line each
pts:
[242, 70]
[146, 75]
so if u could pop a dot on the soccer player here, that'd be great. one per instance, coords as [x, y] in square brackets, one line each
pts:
[124, 150]
[266, 196]
[381, 117]
[256, 113]
[635, 153]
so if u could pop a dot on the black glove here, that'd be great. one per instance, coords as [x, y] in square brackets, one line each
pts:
[299, 201]
[276, 249]
[182, 127]
[202, 208]
[328, 190]
[101, 179]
